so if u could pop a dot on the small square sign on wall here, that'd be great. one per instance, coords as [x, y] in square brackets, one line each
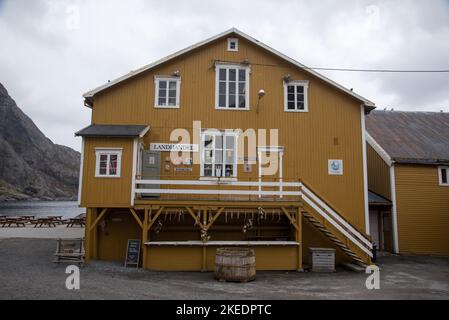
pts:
[335, 167]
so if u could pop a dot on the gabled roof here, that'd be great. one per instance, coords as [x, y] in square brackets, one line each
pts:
[103, 130]
[369, 105]
[410, 137]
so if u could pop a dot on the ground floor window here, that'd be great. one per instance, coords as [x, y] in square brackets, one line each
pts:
[218, 154]
[108, 162]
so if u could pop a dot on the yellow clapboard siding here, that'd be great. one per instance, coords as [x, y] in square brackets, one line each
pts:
[330, 130]
[106, 192]
[423, 210]
[378, 173]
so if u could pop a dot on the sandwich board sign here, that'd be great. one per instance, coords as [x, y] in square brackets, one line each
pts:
[132, 253]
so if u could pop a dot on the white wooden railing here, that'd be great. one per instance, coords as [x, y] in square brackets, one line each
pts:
[295, 189]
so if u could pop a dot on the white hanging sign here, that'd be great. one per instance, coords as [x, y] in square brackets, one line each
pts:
[169, 147]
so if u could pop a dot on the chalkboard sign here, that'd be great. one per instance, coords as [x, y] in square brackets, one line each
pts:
[132, 253]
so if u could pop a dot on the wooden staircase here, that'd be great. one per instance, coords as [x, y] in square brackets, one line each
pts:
[332, 237]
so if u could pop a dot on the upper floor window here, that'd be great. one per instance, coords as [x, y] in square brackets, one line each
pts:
[295, 96]
[108, 163]
[167, 92]
[232, 87]
[233, 44]
[218, 154]
[443, 175]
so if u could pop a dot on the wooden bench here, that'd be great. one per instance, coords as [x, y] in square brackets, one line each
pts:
[12, 221]
[76, 222]
[40, 222]
[69, 251]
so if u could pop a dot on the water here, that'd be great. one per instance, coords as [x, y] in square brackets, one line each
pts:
[66, 209]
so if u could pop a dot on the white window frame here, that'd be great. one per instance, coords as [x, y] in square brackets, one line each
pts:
[440, 176]
[224, 133]
[157, 80]
[247, 69]
[108, 151]
[236, 41]
[305, 85]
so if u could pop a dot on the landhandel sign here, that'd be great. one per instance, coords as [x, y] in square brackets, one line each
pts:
[169, 147]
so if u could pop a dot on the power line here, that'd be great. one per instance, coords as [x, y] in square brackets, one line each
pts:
[336, 69]
[378, 70]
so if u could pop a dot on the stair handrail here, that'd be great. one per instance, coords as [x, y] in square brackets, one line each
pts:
[336, 220]
[330, 207]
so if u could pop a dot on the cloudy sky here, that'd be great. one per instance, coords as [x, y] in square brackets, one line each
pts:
[53, 51]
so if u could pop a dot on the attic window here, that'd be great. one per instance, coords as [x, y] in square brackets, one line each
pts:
[233, 44]
[443, 174]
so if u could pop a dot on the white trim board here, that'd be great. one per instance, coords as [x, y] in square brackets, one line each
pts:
[91, 93]
[365, 171]
[394, 211]
[80, 181]
[380, 151]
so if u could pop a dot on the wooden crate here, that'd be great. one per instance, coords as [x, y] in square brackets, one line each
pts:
[322, 259]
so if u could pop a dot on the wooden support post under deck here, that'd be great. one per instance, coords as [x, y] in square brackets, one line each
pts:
[145, 237]
[203, 265]
[299, 237]
[87, 236]
[90, 245]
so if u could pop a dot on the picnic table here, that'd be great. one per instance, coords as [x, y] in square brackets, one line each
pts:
[76, 222]
[8, 221]
[55, 219]
[27, 218]
[40, 222]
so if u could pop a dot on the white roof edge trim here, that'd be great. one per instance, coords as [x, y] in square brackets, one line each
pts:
[380, 151]
[91, 93]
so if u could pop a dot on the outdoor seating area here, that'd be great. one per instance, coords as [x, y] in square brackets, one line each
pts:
[41, 222]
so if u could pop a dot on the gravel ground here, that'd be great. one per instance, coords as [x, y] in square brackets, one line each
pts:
[42, 233]
[26, 272]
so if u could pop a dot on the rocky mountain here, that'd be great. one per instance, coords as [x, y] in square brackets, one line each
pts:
[31, 166]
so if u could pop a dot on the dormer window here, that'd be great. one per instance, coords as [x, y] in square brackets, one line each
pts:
[233, 44]
[167, 92]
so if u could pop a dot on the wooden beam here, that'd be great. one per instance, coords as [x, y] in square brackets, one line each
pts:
[195, 217]
[204, 253]
[142, 204]
[145, 237]
[299, 238]
[103, 212]
[215, 217]
[136, 216]
[153, 220]
[292, 220]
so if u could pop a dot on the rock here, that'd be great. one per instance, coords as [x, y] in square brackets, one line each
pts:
[31, 166]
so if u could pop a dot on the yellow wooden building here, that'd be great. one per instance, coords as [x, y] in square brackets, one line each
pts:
[185, 198]
[408, 166]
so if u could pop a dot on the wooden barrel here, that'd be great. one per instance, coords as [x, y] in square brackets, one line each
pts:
[235, 264]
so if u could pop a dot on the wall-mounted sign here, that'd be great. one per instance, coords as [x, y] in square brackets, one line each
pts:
[183, 169]
[335, 167]
[169, 147]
